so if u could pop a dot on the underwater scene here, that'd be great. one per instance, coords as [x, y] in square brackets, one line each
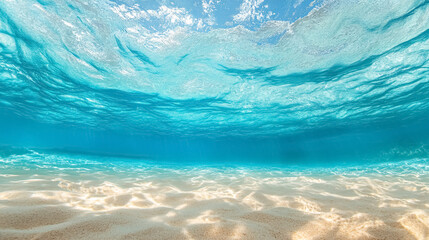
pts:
[214, 119]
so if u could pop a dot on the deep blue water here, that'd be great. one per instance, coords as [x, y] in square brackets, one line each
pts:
[252, 82]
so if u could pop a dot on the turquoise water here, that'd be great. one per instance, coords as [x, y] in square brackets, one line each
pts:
[213, 119]
[295, 83]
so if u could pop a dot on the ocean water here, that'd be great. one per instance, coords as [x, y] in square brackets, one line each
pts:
[304, 82]
[243, 111]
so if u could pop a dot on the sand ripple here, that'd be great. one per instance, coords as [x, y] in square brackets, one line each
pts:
[207, 203]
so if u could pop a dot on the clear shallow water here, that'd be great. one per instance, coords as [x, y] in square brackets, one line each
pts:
[300, 82]
[253, 119]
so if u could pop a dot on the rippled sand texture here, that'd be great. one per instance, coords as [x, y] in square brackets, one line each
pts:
[51, 202]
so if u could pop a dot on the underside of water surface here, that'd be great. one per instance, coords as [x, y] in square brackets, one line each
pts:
[304, 81]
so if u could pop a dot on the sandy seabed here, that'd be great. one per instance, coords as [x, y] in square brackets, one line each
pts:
[50, 201]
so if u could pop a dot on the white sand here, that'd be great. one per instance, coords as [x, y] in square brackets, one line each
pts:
[211, 204]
